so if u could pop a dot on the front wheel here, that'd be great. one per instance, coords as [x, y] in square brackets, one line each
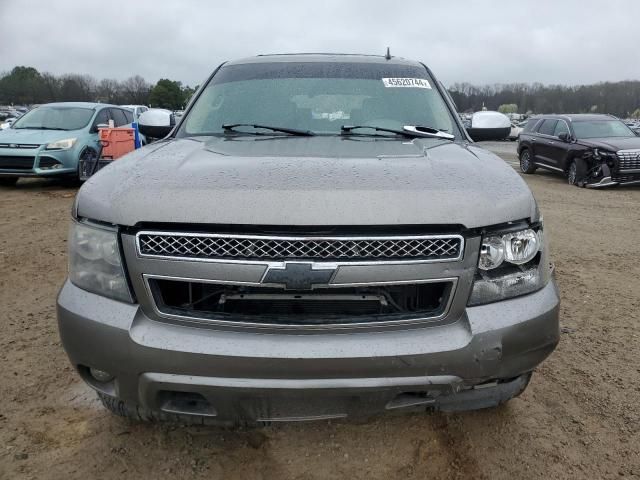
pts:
[526, 164]
[576, 173]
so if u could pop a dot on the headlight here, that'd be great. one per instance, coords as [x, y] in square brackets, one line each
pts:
[510, 265]
[513, 247]
[65, 144]
[599, 154]
[94, 261]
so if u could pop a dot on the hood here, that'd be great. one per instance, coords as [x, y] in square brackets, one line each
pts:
[307, 181]
[612, 143]
[39, 137]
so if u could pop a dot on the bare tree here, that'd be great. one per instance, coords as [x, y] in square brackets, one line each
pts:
[75, 87]
[108, 90]
[135, 90]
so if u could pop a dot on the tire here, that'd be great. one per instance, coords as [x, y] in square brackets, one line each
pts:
[73, 180]
[8, 181]
[576, 173]
[526, 165]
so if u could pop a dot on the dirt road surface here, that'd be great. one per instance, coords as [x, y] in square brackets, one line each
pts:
[580, 417]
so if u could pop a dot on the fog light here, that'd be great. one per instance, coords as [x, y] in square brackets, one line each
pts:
[100, 375]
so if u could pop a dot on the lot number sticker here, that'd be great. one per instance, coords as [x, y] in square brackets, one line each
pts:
[406, 82]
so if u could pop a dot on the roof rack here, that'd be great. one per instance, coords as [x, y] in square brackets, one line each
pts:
[319, 53]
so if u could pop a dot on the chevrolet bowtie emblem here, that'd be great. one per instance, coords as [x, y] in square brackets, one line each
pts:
[298, 275]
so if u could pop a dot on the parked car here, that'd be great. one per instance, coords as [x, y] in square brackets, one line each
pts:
[7, 122]
[315, 238]
[590, 150]
[515, 132]
[137, 110]
[48, 140]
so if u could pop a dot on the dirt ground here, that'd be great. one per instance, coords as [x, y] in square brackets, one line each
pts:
[579, 418]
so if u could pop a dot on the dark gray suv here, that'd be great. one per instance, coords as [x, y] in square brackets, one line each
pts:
[591, 150]
[316, 238]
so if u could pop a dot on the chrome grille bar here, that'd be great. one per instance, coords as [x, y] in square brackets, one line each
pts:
[273, 248]
[629, 161]
[19, 145]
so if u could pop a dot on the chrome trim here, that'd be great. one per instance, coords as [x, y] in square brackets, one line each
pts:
[415, 130]
[629, 160]
[358, 325]
[632, 182]
[542, 165]
[26, 146]
[280, 264]
[604, 182]
[314, 266]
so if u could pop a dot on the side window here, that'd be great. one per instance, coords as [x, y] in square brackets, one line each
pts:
[548, 126]
[530, 124]
[118, 116]
[128, 115]
[102, 118]
[561, 127]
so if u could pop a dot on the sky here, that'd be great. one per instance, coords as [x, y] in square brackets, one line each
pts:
[479, 42]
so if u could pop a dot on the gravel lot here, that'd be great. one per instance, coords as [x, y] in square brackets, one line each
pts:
[580, 417]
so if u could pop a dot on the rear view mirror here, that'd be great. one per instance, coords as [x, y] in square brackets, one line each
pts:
[565, 137]
[156, 123]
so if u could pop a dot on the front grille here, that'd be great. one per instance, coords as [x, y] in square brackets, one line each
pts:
[322, 306]
[254, 247]
[16, 163]
[626, 178]
[28, 146]
[629, 159]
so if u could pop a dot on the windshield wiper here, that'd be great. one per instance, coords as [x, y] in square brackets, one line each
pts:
[412, 131]
[230, 127]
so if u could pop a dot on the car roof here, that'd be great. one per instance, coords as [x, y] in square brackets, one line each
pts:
[77, 104]
[325, 57]
[577, 117]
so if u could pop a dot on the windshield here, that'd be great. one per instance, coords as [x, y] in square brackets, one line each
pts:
[601, 129]
[55, 118]
[319, 97]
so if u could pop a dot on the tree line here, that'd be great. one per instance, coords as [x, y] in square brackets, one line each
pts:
[617, 98]
[28, 86]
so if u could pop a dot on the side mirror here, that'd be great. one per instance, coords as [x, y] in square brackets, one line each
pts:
[156, 123]
[565, 137]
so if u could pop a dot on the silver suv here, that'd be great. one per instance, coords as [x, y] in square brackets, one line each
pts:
[316, 238]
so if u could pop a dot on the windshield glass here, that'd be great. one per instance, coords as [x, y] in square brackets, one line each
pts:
[320, 97]
[55, 118]
[601, 129]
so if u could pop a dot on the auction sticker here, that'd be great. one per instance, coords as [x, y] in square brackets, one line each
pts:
[406, 82]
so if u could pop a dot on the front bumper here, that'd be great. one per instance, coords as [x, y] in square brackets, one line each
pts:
[256, 376]
[37, 162]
